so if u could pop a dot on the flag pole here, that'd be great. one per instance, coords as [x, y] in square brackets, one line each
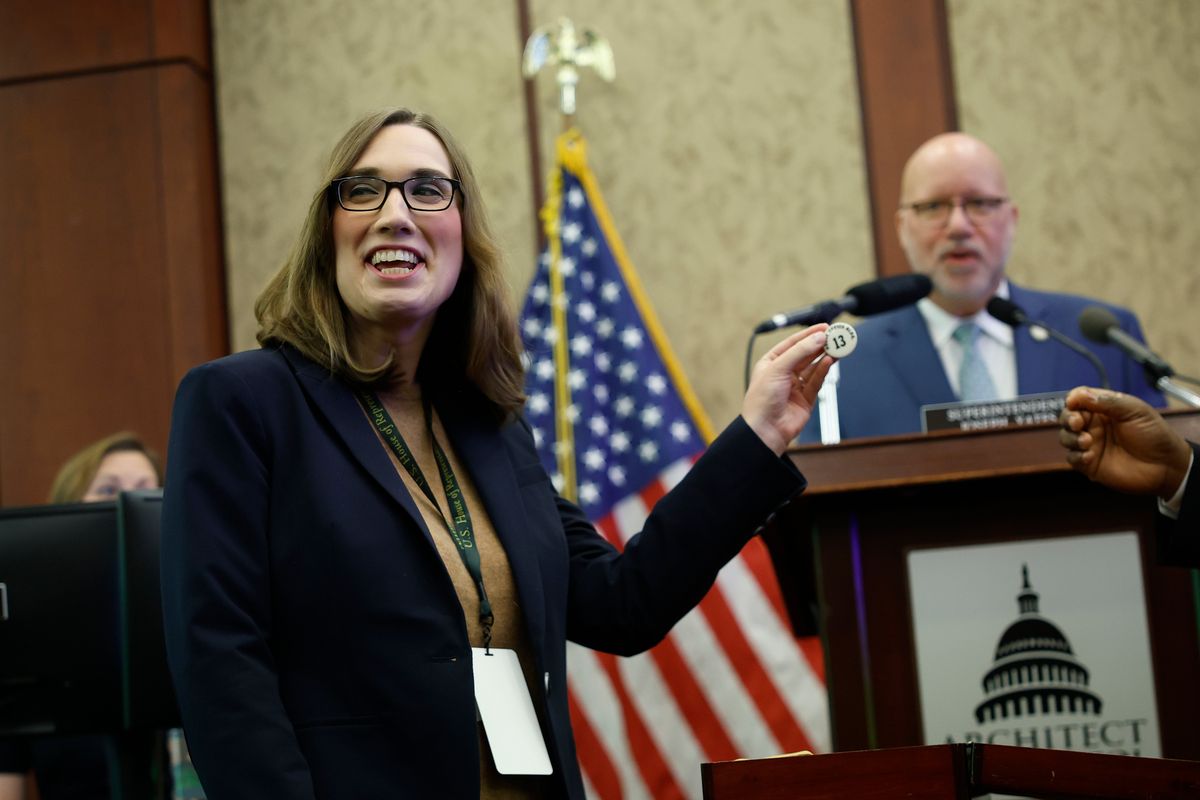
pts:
[626, 429]
[560, 45]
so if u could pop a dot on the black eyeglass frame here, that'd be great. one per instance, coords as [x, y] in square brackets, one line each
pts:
[335, 194]
[925, 209]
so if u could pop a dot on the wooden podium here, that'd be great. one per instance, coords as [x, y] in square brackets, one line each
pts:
[952, 772]
[840, 553]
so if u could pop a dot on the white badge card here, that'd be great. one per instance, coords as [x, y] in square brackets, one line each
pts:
[507, 712]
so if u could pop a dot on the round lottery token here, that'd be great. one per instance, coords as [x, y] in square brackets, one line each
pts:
[840, 340]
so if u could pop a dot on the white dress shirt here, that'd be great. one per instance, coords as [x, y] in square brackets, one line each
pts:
[995, 345]
[1170, 508]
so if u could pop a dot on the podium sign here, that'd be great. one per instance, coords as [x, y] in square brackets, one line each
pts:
[1039, 643]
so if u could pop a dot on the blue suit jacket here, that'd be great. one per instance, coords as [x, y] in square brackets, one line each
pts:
[316, 642]
[896, 369]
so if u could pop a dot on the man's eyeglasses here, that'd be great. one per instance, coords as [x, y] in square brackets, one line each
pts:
[368, 193]
[937, 212]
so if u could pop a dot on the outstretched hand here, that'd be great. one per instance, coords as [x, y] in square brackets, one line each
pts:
[783, 387]
[1122, 442]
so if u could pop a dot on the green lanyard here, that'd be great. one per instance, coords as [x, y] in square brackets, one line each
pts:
[461, 531]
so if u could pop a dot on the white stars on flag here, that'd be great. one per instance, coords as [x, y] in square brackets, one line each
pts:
[617, 475]
[537, 404]
[589, 493]
[581, 346]
[631, 338]
[627, 424]
[593, 459]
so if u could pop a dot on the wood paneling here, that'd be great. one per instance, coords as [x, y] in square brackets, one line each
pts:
[84, 35]
[83, 306]
[195, 291]
[111, 284]
[73, 35]
[907, 94]
[181, 31]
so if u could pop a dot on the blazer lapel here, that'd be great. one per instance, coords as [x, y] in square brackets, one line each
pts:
[912, 356]
[479, 446]
[337, 403]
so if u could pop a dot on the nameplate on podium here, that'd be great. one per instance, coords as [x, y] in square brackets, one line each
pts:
[1027, 409]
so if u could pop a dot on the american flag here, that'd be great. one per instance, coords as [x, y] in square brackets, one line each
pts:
[617, 426]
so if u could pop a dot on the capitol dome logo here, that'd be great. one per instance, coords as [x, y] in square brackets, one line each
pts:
[1070, 670]
[1035, 672]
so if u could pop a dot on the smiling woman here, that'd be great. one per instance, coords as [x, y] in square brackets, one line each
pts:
[392, 307]
[359, 541]
[302, 304]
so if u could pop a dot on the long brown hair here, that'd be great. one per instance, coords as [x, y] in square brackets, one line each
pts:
[73, 480]
[474, 337]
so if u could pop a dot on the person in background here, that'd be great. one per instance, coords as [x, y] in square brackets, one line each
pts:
[76, 767]
[956, 223]
[1123, 443]
[103, 469]
[357, 526]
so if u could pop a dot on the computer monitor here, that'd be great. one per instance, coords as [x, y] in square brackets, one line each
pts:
[81, 640]
[60, 648]
[149, 697]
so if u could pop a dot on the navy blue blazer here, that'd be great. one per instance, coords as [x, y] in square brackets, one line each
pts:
[896, 369]
[316, 642]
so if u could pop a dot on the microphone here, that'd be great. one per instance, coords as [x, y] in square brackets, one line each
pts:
[1013, 315]
[865, 299]
[1101, 325]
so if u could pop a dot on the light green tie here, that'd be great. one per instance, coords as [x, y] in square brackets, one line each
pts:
[974, 382]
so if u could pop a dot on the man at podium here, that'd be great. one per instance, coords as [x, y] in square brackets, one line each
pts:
[956, 223]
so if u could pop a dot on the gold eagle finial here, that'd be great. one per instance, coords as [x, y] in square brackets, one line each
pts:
[560, 44]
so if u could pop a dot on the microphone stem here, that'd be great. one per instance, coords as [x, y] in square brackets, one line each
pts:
[1168, 386]
[1078, 348]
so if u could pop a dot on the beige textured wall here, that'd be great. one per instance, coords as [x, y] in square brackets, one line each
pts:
[728, 149]
[1095, 108]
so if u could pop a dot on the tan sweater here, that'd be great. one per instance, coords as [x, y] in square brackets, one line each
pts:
[508, 630]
